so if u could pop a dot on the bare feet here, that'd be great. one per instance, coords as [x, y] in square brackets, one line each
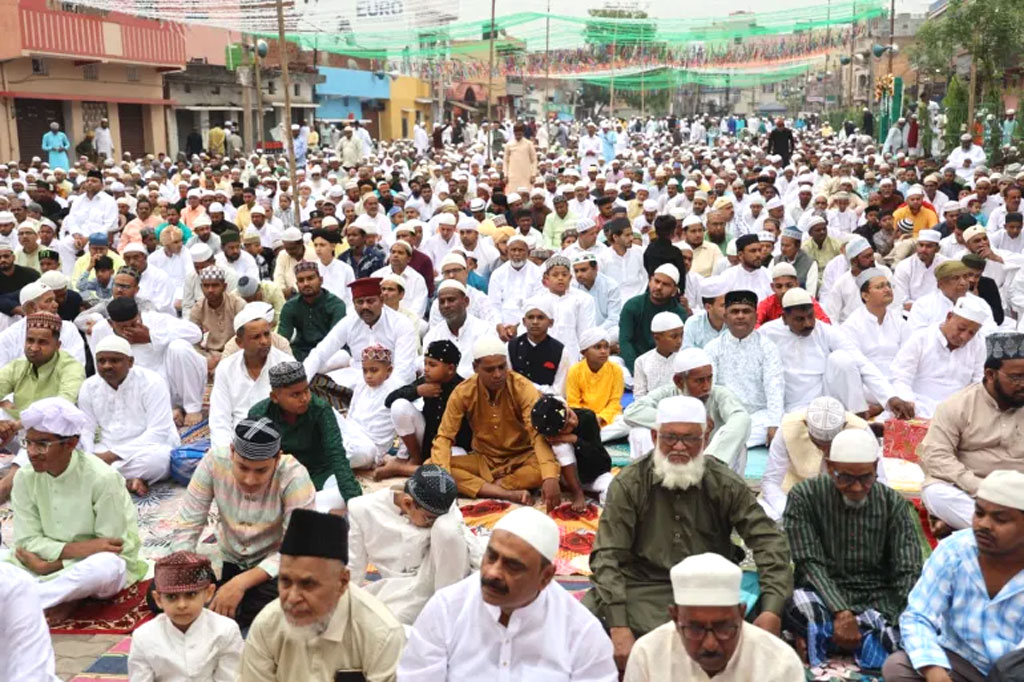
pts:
[55, 615]
[137, 486]
[179, 417]
[393, 467]
[193, 418]
[522, 497]
[579, 502]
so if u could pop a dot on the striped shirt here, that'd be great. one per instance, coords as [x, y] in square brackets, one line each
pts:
[949, 608]
[854, 559]
[251, 526]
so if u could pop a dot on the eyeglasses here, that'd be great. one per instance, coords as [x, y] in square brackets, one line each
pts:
[39, 445]
[723, 632]
[1013, 378]
[671, 439]
[847, 480]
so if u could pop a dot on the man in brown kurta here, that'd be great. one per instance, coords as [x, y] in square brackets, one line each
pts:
[520, 161]
[215, 314]
[509, 457]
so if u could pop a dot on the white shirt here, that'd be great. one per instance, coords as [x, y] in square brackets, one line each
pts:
[951, 248]
[104, 141]
[974, 153]
[235, 391]
[913, 279]
[1002, 241]
[471, 330]
[416, 295]
[163, 329]
[336, 275]
[176, 267]
[210, 650]
[158, 288]
[878, 342]
[393, 330]
[245, 266]
[582, 209]
[574, 314]
[926, 371]
[98, 214]
[437, 248]
[841, 223]
[758, 280]
[843, 298]
[627, 269]
[833, 269]
[479, 305]
[509, 289]
[27, 653]
[650, 371]
[933, 308]
[367, 410]
[554, 638]
[12, 341]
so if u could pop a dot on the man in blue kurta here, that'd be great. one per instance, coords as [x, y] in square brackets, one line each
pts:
[57, 144]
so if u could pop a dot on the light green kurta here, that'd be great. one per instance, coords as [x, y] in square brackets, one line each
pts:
[61, 376]
[88, 500]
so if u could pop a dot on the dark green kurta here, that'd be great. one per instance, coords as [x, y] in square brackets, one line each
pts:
[854, 559]
[315, 440]
[635, 336]
[309, 322]
[646, 529]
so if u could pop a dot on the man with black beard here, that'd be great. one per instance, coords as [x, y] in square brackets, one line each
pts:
[669, 505]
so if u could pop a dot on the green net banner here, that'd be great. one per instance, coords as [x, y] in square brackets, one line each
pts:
[673, 78]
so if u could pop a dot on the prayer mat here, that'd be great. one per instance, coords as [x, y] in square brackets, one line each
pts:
[110, 667]
[119, 615]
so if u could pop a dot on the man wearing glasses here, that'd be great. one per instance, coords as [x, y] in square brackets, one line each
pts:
[855, 556]
[707, 636]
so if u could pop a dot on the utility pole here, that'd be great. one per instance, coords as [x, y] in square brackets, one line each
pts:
[547, 63]
[892, 30]
[256, 79]
[286, 84]
[853, 43]
[611, 93]
[828, 40]
[490, 69]
[246, 92]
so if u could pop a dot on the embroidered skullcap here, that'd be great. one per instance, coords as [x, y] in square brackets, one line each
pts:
[681, 409]
[122, 309]
[286, 374]
[32, 291]
[816, 220]
[376, 353]
[316, 534]
[825, 418]
[664, 321]
[548, 415]
[973, 309]
[929, 236]
[444, 351]
[584, 257]
[54, 279]
[690, 358]
[855, 247]
[972, 232]
[1005, 346]
[556, 261]
[854, 446]
[365, 286]
[453, 259]
[867, 275]
[796, 297]
[112, 343]
[182, 572]
[534, 527]
[54, 415]
[745, 241]
[488, 345]
[250, 235]
[432, 488]
[44, 320]
[49, 254]
[949, 268]
[1004, 487]
[741, 297]
[765, 236]
[781, 269]
[592, 337]
[256, 439]
[706, 580]
[793, 233]
[541, 302]
[306, 266]
[200, 252]
[212, 273]
[669, 270]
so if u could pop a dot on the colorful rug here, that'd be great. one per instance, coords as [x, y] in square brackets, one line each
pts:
[119, 615]
[110, 667]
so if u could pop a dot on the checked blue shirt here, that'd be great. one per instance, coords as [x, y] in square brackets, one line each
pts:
[949, 608]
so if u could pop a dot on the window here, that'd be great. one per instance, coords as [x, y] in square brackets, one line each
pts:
[271, 87]
[133, 74]
[187, 87]
[298, 90]
[91, 72]
[215, 90]
[405, 126]
[39, 68]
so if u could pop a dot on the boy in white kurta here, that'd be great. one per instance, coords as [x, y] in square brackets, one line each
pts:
[368, 430]
[654, 368]
[187, 641]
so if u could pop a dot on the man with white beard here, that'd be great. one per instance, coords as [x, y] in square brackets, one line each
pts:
[669, 505]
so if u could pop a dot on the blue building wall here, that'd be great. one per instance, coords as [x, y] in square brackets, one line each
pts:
[344, 90]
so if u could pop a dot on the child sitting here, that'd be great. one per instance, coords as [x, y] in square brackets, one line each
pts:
[536, 355]
[575, 438]
[596, 384]
[100, 288]
[187, 640]
[368, 431]
[654, 368]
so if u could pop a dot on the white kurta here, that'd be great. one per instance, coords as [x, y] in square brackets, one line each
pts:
[1002, 241]
[912, 279]
[932, 309]
[176, 267]
[738, 277]
[471, 330]
[479, 305]
[157, 287]
[659, 656]
[926, 371]
[27, 653]
[245, 266]
[650, 371]
[974, 154]
[627, 269]
[415, 289]
[457, 637]
[393, 330]
[12, 341]
[337, 276]
[843, 298]
[509, 289]
[574, 314]
[413, 562]
[235, 391]
[134, 421]
[210, 650]
[833, 269]
[878, 342]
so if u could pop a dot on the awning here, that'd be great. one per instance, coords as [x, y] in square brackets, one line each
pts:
[462, 105]
[204, 107]
[424, 100]
[296, 105]
[87, 98]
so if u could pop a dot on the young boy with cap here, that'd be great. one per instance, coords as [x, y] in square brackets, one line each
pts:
[572, 309]
[187, 640]
[535, 354]
[654, 368]
[596, 384]
[575, 437]
[415, 537]
[367, 429]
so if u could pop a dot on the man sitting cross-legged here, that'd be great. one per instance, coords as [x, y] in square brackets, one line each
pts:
[856, 556]
[75, 527]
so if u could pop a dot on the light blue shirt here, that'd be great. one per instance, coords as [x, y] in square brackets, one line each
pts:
[57, 144]
[607, 301]
[698, 332]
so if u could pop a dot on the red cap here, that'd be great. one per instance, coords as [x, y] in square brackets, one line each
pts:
[366, 286]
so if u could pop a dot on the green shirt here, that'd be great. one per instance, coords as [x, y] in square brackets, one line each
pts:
[635, 337]
[854, 559]
[555, 226]
[309, 322]
[829, 249]
[87, 500]
[314, 439]
[61, 376]
[646, 529]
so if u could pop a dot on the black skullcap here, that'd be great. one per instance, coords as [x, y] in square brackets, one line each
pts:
[94, 174]
[332, 236]
[603, 201]
[740, 296]
[548, 415]
[965, 220]
[444, 351]
[745, 241]
[47, 254]
[256, 439]
[1014, 218]
[432, 488]
[122, 309]
[312, 533]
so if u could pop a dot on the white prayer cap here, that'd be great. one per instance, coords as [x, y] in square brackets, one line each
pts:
[691, 220]
[542, 303]
[488, 345]
[534, 527]
[915, 191]
[683, 246]
[774, 203]
[669, 270]
[780, 269]
[1004, 487]
[664, 321]
[201, 221]
[452, 284]
[825, 418]
[929, 236]
[446, 219]
[974, 231]
[135, 247]
[200, 253]
[250, 312]
[796, 297]
[730, 248]
[866, 276]
[713, 287]
[690, 358]
[816, 220]
[706, 580]
[216, 207]
[257, 210]
[518, 237]
[54, 415]
[54, 279]
[973, 309]
[453, 259]
[592, 337]
[584, 224]
[468, 223]
[513, 198]
[29, 225]
[650, 206]
[965, 137]
[854, 446]
[7, 217]
[114, 344]
[32, 291]
[292, 234]
[856, 246]
[681, 409]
